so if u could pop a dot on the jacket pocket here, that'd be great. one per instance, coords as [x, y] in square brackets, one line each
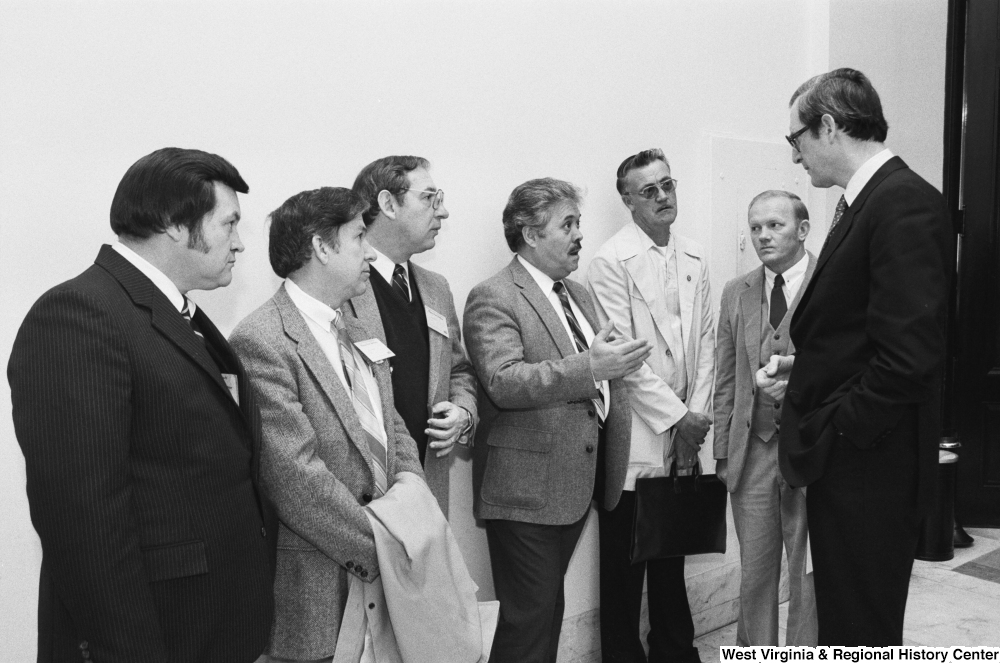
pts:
[175, 560]
[517, 468]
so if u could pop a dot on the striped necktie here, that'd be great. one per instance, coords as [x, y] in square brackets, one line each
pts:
[186, 312]
[399, 283]
[374, 433]
[578, 337]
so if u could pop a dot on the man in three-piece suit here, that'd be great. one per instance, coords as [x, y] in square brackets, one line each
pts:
[653, 284]
[756, 312]
[141, 436]
[411, 310]
[861, 419]
[555, 419]
[332, 439]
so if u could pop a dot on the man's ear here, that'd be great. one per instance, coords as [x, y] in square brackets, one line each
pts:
[178, 233]
[321, 249]
[627, 199]
[828, 126]
[803, 231]
[530, 235]
[387, 203]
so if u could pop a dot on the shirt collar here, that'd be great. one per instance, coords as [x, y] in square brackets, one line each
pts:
[311, 307]
[159, 279]
[385, 267]
[864, 173]
[647, 243]
[543, 280]
[792, 273]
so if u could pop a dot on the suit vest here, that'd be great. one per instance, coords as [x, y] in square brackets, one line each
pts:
[766, 411]
[405, 325]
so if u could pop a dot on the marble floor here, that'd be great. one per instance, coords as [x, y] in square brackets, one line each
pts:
[944, 608]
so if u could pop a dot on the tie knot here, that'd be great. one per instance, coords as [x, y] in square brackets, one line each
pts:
[559, 288]
[338, 320]
[841, 205]
[399, 271]
[186, 309]
[779, 280]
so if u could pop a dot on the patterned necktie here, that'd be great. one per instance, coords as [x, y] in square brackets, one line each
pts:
[186, 312]
[778, 306]
[399, 283]
[374, 433]
[841, 208]
[578, 337]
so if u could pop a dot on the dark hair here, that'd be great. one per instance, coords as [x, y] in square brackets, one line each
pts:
[798, 207]
[530, 205]
[170, 187]
[849, 98]
[386, 174]
[640, 160]
[304, 215]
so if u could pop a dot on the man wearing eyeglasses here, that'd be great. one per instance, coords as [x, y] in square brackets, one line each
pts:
[412, 311]
[653, 284]
[861, 417]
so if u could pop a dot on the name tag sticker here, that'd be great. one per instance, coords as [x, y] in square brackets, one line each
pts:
[374, 350]
[436, 321]
[234, 386]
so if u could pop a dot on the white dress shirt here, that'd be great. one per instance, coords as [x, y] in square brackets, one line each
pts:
[159, 279]
[319, 318]
[793, 281]
[545, 283]
[863, 174]
[385, 267]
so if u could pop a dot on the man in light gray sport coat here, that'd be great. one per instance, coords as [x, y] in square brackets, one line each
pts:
[754, 319]
[555, 419]
[319, 458]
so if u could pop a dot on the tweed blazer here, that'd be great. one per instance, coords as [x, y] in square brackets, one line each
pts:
[737, 360]
[141, 477]
[316, 467]
[623, 282]
[535, 455]
[451, 376]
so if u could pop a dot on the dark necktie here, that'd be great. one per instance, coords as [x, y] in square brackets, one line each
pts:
[841, 208]
[578, 337]
[778, 306]
[399, 283]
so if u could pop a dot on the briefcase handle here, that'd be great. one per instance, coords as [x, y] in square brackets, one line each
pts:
[681, 479]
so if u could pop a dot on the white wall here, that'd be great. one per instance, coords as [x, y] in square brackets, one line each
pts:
[302, 94]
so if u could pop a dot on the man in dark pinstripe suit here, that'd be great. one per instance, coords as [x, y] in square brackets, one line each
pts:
[141, 437]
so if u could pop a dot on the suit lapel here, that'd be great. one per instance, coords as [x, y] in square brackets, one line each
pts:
[315, 360]
[688, 267]
[432, 298]
[365, 309]
[750, 305]
[166, 319]
[543, 307]
[643, 273]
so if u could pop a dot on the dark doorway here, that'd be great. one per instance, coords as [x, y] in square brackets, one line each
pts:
[972, 168]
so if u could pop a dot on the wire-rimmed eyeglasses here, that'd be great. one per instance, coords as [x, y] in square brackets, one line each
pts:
[651, 191]
[436, 196]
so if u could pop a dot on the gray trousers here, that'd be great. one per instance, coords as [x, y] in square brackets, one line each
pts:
[769, 512]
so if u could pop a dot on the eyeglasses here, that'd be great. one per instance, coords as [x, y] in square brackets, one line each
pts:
[793, 140]
[653, 190]
[436, 196]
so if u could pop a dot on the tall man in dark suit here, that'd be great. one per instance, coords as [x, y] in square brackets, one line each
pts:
[141, 436]
[756, 312]
[861, 421]
[411, 310]
[556, 421]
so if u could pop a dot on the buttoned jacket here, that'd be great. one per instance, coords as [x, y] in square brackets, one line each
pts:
[316, 467]
[535, 455]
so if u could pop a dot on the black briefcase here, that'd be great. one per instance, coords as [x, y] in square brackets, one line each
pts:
[677, 516]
